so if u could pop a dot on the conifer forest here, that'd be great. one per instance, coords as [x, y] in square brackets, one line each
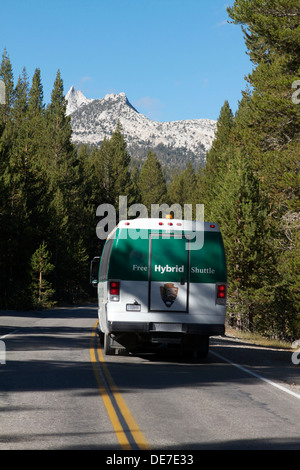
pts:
[50, 190]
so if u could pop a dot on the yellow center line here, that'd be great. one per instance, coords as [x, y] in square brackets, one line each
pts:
[130, 421]
[107, 402]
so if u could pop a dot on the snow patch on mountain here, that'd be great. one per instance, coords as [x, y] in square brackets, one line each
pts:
[94, 119]
[75, 99]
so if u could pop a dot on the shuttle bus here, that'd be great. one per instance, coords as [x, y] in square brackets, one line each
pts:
[161, 283]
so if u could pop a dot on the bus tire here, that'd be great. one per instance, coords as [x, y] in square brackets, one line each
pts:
[196, 347]
[108, 350]
[204, 347]
[100, 335]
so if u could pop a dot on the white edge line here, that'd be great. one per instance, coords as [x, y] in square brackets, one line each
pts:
[284, 389]
[8, 334]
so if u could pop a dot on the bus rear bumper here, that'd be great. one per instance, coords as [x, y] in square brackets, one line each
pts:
[152, 328]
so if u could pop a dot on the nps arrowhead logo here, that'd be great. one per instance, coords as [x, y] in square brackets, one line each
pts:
[168, 293]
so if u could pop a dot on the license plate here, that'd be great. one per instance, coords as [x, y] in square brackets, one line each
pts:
[172, 327]
[133, 307]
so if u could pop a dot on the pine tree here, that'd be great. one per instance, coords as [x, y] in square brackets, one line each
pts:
[175, 190]
[151, 183]
[120, 162]
[36, 105]
[112, 166]
[42, 193]
[7, 228]
[217, 158]
[37, 156]
[133, 194]
[270, 134]
[63, 173]
[16, 185]
[61, 151]
[77, 275]
[241, 211]
[182, 189]
[41, 267]
[188, 177]
[270, 27]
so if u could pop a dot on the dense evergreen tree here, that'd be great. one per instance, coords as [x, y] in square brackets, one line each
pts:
[250, 184]
[151, 183]
[265, 132]
[270, 27]
[16, 188]
[271, 31]
[183, 190]
[39, 191]
[66, 207]
[49, 192]
[175, 189]
[217, 159]
[241, 211]
[114, 161]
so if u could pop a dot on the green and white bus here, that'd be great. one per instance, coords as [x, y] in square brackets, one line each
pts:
[161, 283]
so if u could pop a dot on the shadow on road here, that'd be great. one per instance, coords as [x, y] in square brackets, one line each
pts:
[46, 356]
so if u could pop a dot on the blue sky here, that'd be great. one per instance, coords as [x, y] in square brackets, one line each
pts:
[174, 59]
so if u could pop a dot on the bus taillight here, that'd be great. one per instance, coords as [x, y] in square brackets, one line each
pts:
[114, 291]
[221, 294]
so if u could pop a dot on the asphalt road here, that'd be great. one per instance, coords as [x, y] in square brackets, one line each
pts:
[58, 391]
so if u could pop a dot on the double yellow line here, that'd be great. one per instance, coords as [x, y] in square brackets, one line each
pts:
[126, 428]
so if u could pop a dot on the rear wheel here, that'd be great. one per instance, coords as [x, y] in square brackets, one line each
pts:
[196, 347]
[202, 352]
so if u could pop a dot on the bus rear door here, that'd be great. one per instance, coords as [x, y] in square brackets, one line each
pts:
[169, 257]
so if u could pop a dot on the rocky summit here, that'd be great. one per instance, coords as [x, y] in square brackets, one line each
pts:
[174, 143]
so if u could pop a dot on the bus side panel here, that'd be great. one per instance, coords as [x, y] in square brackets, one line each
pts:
[102, 306]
